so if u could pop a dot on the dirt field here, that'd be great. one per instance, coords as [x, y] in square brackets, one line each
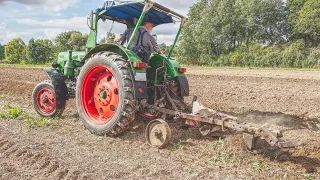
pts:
[286, 100]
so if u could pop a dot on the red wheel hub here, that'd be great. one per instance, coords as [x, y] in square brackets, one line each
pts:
[100, 94]
[46, 100]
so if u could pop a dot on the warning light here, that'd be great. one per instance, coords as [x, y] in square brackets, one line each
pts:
[182, 70]
[140, 90]
[140, 65]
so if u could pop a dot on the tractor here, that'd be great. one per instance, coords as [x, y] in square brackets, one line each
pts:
[113, 86]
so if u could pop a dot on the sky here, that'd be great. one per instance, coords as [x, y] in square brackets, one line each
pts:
[45, 19]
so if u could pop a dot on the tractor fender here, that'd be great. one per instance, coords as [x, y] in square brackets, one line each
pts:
[116, 48]
[58, 83]
[184, 85]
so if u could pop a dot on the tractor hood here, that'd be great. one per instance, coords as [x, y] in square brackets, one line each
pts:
[130, 10]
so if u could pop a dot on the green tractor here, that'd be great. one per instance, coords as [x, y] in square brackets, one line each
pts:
[110, 83]
[113, 87]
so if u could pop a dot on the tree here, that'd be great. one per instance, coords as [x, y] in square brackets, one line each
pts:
[219, 27]
[308, 23]
[109, 39]
[40, 51]
[166, 49]
[31, 52]
[71, 40]
[294, 6]
[2, 52]
[15, 51]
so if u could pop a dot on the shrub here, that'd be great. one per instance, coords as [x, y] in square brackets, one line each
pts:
[313, 59]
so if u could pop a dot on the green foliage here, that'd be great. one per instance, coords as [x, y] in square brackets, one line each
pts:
[109, 39]
[71, 40]
[39, 122]
[181, 144]
[16, 113]
[227, 157]
[307, 176]
[220, 141]
[40, 51]
[15, 51]
[217, 27]
[252, 33]
[313, 59]
[224, 157]
[257, 165]
[2, 52]
[166, 49]
[213, 160]
[308, 23]
[11, 113]
[294, 54]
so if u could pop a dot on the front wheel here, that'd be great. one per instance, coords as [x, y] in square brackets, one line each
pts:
[105, 94]
[46, 102]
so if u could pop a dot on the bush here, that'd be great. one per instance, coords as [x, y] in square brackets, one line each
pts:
[223, 60]
[313, 59]
[271, 57]
[294, 55]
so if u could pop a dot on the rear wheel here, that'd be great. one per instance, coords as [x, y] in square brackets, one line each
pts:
[105, 95]
[46, 102]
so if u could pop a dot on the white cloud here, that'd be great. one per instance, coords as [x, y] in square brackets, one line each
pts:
[52, 33]
[6, 36]
[75, 22]
[47, 5]
[51, 28]
[179, 6]
[2, 25]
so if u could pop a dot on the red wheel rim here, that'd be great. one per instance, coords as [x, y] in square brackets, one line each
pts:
[46, 100]
[100, 94]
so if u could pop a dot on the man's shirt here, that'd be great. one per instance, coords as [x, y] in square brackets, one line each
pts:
[148, 40]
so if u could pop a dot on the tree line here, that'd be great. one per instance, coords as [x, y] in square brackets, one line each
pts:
[42, 51]
[257, 33]
[243, 33]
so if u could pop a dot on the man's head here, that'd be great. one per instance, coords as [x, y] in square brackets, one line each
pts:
[149, 26]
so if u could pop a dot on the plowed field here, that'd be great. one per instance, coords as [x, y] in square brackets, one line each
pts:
[286, 100]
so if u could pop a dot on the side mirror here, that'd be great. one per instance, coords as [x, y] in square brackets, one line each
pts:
[90, 20]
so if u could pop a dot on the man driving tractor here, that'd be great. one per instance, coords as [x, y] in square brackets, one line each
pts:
[144, 43]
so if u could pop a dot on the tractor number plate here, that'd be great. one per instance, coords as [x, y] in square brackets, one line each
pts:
[140, 76]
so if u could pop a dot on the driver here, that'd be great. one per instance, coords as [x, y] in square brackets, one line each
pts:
[144, 44]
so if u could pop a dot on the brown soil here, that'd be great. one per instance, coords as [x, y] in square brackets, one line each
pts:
[286, 100]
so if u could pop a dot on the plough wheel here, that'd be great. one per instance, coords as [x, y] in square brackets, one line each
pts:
[158, 133]
[46, 102]
[105, 95]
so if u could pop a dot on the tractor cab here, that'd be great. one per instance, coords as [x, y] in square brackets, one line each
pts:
[131, 14]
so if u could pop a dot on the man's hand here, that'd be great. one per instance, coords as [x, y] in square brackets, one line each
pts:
[160, 52]
[117, 39]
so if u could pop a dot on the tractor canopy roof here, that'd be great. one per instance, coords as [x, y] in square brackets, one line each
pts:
[128, 12]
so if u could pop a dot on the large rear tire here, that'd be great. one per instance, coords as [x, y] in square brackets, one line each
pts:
[46, 102]
[105, 94]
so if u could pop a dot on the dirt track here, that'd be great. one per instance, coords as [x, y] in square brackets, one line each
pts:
[284, 99]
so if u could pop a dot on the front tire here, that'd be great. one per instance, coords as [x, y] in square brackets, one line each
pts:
[105, 94]
[46, 102]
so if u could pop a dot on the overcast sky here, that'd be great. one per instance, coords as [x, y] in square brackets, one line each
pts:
[41, 19]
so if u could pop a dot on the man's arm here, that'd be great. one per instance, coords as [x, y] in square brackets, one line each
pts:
[123, 37]
[155, 45]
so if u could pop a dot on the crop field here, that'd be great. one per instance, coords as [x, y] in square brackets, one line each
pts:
[288, 100]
